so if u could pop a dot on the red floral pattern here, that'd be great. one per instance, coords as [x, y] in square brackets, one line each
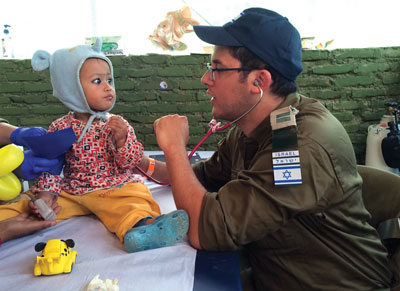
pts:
[94, 163]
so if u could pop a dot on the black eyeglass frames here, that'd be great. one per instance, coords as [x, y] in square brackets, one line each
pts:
[211, 70]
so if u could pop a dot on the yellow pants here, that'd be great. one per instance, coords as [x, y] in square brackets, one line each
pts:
[119, 208]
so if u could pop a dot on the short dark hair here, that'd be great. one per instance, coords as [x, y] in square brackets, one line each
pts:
[280, 85]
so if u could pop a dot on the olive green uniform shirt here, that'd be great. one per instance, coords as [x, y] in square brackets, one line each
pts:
[313, 236]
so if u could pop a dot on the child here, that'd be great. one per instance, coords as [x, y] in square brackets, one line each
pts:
[98, 172]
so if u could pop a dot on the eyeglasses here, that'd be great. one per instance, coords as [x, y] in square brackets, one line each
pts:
[211, 70]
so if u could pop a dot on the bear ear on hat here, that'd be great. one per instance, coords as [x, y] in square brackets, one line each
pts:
[40, 60]
[97, 46]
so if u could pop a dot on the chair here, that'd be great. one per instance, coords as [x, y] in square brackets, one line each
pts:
[381, 195]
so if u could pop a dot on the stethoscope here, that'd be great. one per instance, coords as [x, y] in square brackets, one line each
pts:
[214, 127]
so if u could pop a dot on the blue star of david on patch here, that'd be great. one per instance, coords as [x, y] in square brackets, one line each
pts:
[287, 174]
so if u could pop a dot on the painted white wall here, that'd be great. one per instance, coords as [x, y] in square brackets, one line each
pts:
[53, 24]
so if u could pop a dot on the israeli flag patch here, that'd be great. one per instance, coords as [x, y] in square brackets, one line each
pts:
[286, 166]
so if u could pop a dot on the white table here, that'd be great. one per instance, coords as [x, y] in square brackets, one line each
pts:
[100, 252]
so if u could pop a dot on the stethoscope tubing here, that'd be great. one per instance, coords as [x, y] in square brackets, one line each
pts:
[207, 135]
[214, 127]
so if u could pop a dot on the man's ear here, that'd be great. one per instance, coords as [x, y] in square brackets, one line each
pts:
[262, 79]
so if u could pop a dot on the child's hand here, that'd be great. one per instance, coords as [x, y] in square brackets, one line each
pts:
[118, 130]
[49, 198]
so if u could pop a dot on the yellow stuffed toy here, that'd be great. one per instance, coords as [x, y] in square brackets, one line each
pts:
[168, 33]
[11, 157]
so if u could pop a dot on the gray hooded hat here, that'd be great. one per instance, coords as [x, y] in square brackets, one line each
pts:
[65, 65]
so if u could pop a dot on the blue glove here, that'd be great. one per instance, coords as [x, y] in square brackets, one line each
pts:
[18, 135]
[33, 166]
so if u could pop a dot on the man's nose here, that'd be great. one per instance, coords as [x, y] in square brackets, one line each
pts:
[205, 80]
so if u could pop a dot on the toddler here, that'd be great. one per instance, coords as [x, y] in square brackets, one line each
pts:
[98, 172]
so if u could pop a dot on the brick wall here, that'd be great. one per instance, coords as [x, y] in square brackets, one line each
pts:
[353, 84]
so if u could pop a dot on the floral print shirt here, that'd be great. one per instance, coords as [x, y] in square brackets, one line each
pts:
[94, 163]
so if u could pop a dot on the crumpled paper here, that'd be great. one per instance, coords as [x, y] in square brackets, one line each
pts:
[102, 285]
[169, 32]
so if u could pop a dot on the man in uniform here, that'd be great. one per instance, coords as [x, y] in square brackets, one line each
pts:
[288, 191]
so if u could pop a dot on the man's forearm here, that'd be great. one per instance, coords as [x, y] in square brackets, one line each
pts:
[187, 191]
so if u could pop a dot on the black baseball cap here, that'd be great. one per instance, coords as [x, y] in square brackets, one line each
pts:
[267, 34]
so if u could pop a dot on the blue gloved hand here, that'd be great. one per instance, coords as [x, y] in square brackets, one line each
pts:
[18, 135]
[33, 166]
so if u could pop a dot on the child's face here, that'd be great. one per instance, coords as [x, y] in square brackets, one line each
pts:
[96, 81]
